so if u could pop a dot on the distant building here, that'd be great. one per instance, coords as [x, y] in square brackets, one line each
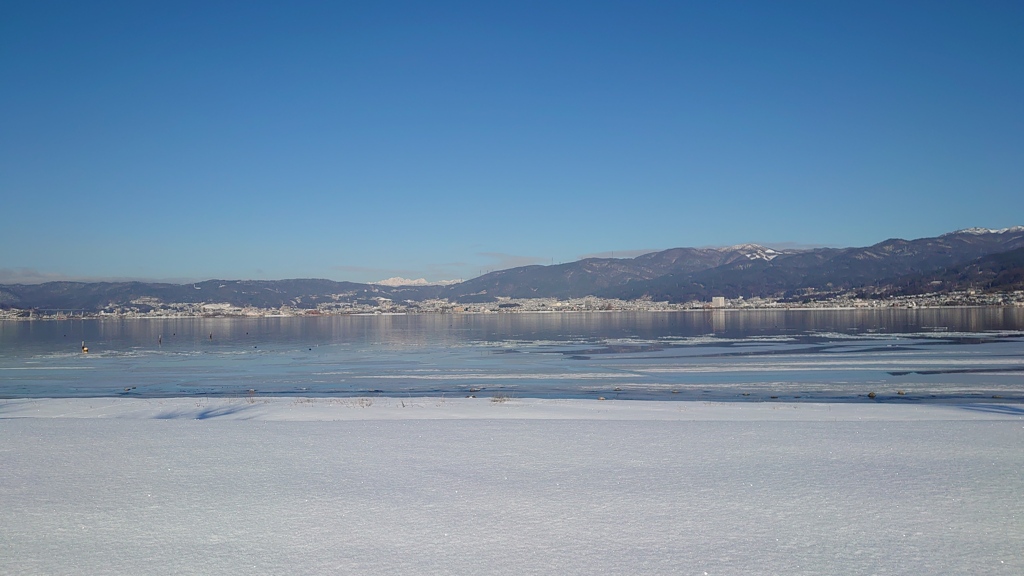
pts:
[718, 301]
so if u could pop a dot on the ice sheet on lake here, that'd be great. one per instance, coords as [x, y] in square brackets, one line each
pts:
[435, 486]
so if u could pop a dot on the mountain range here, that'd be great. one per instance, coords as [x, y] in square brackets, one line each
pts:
[750, 270]
[976, 258]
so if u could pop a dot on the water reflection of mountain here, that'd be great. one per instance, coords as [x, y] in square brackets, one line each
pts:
[434, 329]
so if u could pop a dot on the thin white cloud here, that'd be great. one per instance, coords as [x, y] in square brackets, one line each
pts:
[794, 245]
[775, 245]
[362, 270]
[503, 261]
[33, 276]
[28, 276]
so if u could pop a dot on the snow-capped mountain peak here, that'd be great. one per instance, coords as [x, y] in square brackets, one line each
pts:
[755, 251]
[980, 231]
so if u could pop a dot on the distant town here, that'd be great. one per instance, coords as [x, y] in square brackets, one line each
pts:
[148, 308]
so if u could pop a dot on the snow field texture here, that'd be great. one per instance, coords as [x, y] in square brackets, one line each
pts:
[115, 486]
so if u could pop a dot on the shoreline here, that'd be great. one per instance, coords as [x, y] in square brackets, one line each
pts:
[304, 313]
[320, 409]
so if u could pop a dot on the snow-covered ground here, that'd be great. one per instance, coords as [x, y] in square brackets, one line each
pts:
[471, 486]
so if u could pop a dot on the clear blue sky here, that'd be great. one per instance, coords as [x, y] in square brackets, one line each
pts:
[363, 140]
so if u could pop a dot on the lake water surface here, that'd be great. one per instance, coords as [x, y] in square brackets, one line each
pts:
[929, 355]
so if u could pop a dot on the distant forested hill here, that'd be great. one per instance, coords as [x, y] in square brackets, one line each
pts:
[967, 259]
[1003, 271]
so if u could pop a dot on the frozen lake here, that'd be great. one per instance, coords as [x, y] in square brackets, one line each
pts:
[526, 486]
[931, 355]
